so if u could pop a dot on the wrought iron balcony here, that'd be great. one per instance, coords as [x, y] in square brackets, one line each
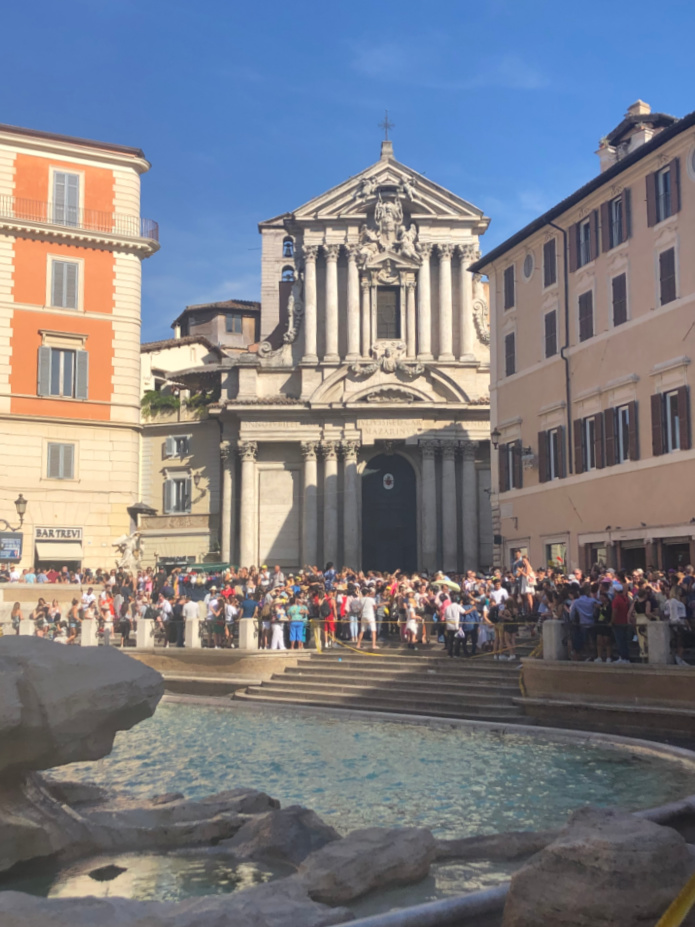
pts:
[69, 217]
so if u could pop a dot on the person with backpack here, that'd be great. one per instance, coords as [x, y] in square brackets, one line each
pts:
[354, 613]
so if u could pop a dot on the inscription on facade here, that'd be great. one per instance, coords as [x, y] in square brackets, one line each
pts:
[58, 534]
[379, 429]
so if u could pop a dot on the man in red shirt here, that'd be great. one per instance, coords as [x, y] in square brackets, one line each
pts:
[622, 630]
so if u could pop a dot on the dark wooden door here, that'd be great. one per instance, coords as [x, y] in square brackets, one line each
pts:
[389, 520]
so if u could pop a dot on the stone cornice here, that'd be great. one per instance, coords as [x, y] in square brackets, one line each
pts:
[48, 232]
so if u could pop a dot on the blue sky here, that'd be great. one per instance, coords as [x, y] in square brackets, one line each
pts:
[249, 109]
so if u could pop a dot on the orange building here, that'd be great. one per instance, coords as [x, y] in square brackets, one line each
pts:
[71, 246]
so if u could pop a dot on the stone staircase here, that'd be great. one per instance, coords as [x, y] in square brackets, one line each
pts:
[399, 681]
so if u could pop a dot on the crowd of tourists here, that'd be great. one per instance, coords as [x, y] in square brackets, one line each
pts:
[604, 615]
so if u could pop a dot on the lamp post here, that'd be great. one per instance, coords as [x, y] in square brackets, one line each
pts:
[20, 503]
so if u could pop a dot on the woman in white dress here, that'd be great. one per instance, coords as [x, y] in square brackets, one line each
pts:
[527, 587]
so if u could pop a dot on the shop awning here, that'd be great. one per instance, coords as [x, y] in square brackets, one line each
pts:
[68, 551]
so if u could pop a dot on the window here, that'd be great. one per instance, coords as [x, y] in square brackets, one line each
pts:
[288, 274]
[671, 421]
[667, 276]
[588, 443]
[388, 313]
[61, 462]
[529, 264]
[586, 316]
[66, 199]
[509, 354]
[550, 321]
[177, 446]
[288, 248]
[619, 290]
[64, 284]
[510, 466]
[509, 287]
[551, 454]
[177, 495]
[616, 221]
[620, 434]
[663, 193]
[234, 324]
[549, 263]
[63, 372]
[584, 242]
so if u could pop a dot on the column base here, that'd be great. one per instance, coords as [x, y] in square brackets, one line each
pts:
[425, 357]
[468, 359]
[310, 359]
[446, 358]
[354, 356]
[331, 359]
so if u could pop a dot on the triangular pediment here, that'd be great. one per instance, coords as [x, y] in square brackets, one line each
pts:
[352, 199]
[391, 259]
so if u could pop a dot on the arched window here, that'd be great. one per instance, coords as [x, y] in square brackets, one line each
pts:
[288, 248]
[288, 274]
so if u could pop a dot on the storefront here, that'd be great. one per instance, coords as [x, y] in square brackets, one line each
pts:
[58, 547]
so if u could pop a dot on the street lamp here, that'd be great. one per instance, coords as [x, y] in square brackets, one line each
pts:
[20, 503]
[496, 435]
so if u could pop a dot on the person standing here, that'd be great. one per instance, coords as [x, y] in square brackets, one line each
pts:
[189, 613]
[452, 620]
[298, 615]
[620, 622]
[470, 622]
[368, 617]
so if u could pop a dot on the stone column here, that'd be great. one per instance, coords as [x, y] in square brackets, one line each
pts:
[366, 332]
[330, 501]
[428, 505]
[410, 320]
[466, 253]
[227, 462]
[310, 356]
[331, 252]
[553, 646]
[659, 642]
[470, 507]
[424, 322]
[449, 522]
[446, 331]
[191, 634]
[144, 633]
[351, 531]
[310, 522]
[247, 540]
[353, 304]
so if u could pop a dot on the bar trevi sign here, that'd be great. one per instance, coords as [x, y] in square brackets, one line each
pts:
[58, 534]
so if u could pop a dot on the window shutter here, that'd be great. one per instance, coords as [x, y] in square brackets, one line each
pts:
[651, 199]
[667, 276]
[657, 424]
[68, 461]
[573, 236]
[684, 418]
[598, 442]
[609, 432]
[53, 469]
[187, 500]
[633, 426]
[81, 374]
[503, 461]
[70, 273]
[58, 283]
[619, 287]
[578, 446]
[595, 240]
[561, 454]
[72, 198]
[675, 171]
[542, 456]
[44, 371]
[170, 447]
[606, 226]
[58, 197]
[627, 214]
[517, 474]
[168, 496]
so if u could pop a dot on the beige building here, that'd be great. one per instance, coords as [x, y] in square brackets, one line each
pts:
[593, 334]
[71, 247]
[357, 429]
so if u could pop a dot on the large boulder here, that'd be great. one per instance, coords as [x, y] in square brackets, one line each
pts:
[606, 867]
[275, 904]
[61, 704]
[286, 836]
[365, 860]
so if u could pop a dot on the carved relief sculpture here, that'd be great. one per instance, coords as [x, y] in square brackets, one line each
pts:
[309, 449]
[391, 358]
[247, 450]
[481, 310]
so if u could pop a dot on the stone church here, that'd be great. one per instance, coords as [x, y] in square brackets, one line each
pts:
[356, 428]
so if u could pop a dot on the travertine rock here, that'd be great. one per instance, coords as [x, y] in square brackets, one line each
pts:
[365, 860]
[501, 847]
[605, 868]
[274, 904]
[62, 704]
[286, 836]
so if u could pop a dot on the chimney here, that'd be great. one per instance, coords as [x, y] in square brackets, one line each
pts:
[386, 150]
[634, 134]
[639, 108]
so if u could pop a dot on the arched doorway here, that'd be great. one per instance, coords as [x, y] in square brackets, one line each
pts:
[389, 518]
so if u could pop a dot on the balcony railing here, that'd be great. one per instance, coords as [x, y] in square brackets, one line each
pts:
[69, 217]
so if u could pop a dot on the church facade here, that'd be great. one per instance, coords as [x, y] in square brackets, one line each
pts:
[357, 429]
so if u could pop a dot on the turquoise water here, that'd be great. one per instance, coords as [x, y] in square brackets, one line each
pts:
[358, 773]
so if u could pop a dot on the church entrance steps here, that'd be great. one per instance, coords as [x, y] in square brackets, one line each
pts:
[404, 683]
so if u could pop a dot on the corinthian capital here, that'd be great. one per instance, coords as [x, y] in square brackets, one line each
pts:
[426, 249]
[247, 450]
[329, 449]
[445, 252]
[309, 449]
[468, 449]
[225, 449]
[428, 449]
[310, 253]
[448, 450]
[350, 450]
[331, 252]
[352, 252]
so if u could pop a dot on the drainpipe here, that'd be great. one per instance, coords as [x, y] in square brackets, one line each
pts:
[563, 349]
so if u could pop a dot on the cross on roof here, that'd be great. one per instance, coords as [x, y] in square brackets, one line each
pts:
[386, 125]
